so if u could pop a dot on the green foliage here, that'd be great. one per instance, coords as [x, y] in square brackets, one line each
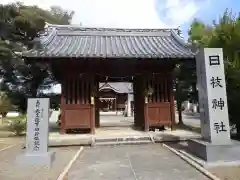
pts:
[199, 33]
[19, 26]
[185, 83]
[61, 16]
[17, 126]
[5, 104]
[224, 34]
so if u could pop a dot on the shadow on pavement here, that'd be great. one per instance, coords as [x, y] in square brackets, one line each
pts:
[166, 138]
[182, 146]
[188, 128]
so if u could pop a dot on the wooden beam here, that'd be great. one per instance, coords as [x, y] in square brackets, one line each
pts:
[172, 105]
[97, 114]
[92, 101]
[146, 117]
[62, 110]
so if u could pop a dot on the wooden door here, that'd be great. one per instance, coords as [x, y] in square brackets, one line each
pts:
[77, 108]
[159, 101]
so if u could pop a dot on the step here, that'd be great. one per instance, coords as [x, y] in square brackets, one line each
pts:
[123, 140]
[122, 143]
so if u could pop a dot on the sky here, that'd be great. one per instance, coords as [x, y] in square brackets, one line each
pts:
[140, 13]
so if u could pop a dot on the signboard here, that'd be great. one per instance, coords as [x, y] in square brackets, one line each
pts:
[212, 96]
[37, 126]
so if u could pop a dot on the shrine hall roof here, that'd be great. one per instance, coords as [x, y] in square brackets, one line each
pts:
[81, 42]
[119, 87]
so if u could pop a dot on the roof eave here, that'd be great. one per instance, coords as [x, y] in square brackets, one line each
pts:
[109, 57]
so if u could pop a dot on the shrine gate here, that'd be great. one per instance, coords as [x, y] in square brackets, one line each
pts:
[81, 57]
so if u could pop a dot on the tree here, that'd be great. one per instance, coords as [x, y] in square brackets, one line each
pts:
[185, 84]
[19, 26]
[223, 34]
[63, 16]
[5, 104]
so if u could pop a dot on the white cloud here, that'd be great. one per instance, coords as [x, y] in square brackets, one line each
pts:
[120, 13]
[178, 12]
[125, 13]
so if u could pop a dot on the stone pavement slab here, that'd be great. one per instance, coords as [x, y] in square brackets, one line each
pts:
[136, 162]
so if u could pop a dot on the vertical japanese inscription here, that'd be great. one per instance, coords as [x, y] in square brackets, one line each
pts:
[37, 125]
[36, 129]
[217, 103]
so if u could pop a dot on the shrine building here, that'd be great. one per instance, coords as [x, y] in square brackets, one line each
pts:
[113, 97]
[81, 58]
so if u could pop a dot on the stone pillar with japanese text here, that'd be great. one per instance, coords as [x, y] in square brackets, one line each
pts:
[216, 147]
[212, 96]
[37, 126]
[37, 133]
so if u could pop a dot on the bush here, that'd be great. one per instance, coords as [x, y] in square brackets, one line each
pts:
[17, 126]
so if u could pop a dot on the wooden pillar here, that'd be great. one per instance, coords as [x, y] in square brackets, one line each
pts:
[172, 105]
[139, 106]
[62, 110]
[97, 104]
[115, 101]
[135, 101]
[146, 118]
[92, 102]
[146, 123]
[92, 118]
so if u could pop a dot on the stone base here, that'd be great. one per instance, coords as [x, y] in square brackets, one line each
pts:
[212, 153]
[45, 159]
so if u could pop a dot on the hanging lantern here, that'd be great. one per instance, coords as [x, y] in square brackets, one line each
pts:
[149, 91]
[92, 100]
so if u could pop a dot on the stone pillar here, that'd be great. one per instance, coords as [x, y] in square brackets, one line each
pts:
[216, 144]
[212, 96]
[129, 105]
[194, 108]
[36, 152]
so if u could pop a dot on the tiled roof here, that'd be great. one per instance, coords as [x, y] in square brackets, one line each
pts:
[72, 41]
[119, 87]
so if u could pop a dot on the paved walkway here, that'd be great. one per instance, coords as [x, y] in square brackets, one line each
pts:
[192, 119]
[138, 162]
[116, 120]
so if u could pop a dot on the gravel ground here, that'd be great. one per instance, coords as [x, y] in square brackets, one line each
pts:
[226, 173]
[10, 141]
[4, 145]
[5, 134]
[9, 170]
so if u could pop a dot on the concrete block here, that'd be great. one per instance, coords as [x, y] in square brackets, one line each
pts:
[214, 152]
[36, 159]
